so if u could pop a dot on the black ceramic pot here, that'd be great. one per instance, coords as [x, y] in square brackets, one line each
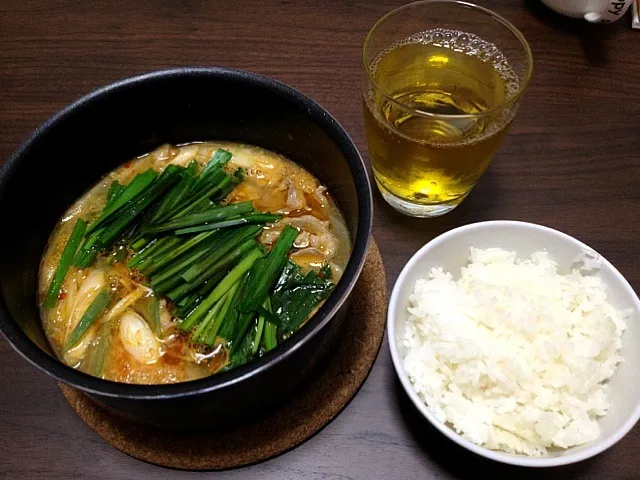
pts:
[75, 148]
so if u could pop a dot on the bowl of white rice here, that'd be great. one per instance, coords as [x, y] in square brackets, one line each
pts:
[518, 342]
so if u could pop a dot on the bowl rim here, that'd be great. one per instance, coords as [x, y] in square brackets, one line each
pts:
[599, 446]
[50, 365]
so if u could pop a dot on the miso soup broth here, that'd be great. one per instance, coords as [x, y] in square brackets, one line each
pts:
[189, 261]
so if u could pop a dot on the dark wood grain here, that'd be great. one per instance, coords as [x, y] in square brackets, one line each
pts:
[571, 161]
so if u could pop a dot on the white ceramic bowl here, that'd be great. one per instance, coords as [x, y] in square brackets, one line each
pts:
[450, 251]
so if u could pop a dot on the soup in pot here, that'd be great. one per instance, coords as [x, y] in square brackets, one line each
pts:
[189, 261]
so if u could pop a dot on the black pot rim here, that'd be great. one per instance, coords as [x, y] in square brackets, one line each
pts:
[93, 385]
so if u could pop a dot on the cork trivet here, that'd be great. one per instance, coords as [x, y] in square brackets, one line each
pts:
[280, 430]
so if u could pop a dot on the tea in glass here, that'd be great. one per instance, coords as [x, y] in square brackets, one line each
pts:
[437, 105]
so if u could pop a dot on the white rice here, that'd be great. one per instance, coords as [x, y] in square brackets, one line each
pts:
[514, 356]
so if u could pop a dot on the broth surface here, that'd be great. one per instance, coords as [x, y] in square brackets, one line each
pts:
[115, 346]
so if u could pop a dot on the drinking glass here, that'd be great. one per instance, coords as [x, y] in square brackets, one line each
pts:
[443, 80]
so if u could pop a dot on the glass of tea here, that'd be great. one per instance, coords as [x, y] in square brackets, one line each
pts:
[443, 80]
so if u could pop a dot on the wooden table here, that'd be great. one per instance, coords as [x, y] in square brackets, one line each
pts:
[570, 161]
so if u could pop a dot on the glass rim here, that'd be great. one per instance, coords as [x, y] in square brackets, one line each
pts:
[512, 28]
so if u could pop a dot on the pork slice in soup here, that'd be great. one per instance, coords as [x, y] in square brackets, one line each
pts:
[189, 261]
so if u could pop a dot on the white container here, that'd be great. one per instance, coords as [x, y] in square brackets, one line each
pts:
[595, 11]
[451, 251]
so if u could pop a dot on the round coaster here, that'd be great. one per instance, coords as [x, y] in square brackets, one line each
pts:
[281, 429]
